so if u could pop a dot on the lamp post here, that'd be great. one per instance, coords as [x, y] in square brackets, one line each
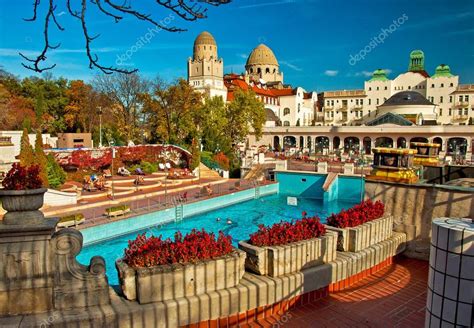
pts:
[100, 127]
[165, 167]
[111, 144]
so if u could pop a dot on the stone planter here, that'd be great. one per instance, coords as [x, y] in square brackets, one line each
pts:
[275, 261]
[166, 282]
[23, 206]
[365, 235]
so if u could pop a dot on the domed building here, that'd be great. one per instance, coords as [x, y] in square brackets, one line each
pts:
[205, 68]
[263, 65]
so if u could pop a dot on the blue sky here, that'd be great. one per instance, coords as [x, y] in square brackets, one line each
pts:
[312, 39]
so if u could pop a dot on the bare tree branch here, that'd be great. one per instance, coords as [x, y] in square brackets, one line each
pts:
[186, 9]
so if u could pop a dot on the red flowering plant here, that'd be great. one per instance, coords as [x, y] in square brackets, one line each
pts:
[288, 232]
[361, 213]
[22, 178]
[195, 246]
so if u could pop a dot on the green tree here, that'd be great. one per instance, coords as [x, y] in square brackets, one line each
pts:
[211, 121]
[195, 154]
[40, 159]
[244, 114]
[27, 156]
[56, 174]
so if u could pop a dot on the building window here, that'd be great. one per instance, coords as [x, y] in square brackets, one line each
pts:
[465, 111]
[441, 99]
[450, 112]
[409, 87]
[259, 70]
[460, 98]
[267, 70]
[370, 100]
[370, 88]
[299, 107]
[466, 98]
[377, 102]
[332, 102]
[432, 85]
[286, 123]
[286, 111]
[385, 88]
[440, 112]
[450, 99]
[451, 85]
[362, 101]
[377, 88]
[442, 85]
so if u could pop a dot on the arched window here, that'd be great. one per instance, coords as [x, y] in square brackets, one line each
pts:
[274, 71]
[286, 123]
[259, 70]
[286, 111]
[267, 70]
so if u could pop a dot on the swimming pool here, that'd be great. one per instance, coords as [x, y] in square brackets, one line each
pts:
[245, 217]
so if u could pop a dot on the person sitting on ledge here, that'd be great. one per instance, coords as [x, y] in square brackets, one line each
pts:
[139, 180]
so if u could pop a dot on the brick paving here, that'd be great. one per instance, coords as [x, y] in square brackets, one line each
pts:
[392, 297]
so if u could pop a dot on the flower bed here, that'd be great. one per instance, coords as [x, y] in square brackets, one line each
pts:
[71, 220]
[155, 270]
[288, 247]
[117, 210]
[360, 226]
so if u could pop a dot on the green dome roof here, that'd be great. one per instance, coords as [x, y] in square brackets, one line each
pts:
[417, 61]
[442, 70]
[379, 75]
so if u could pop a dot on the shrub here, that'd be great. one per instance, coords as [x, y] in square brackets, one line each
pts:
[56, 174]
[41, 160]
[149, 167]
[117, 208]
[361, 213]
[22, 178]
[222, 160]
[193, 247]
[27, 156]
[288, 232]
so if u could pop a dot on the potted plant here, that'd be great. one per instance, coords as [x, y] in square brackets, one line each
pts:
[288, 247]
[22, 196]
[155, 269]
[360, 226]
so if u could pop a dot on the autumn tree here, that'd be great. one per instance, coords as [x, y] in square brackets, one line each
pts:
[124, 92]
[27, 156]
[40, 159]
[244, 114]
[170, 111]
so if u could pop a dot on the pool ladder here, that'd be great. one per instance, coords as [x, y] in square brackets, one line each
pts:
[257, 192]
[178, 213]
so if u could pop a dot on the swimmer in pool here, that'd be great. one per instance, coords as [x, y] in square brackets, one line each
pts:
[229, 221]
[218, 219]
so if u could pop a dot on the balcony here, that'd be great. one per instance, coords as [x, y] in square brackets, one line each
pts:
[358, 106]
[343, 108]
[459, 118]
[328, 107]
[462, 104]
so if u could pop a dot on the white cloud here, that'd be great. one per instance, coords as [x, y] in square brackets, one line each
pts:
[243, 56]
[330, 72]
[266, 4]
[290, 65]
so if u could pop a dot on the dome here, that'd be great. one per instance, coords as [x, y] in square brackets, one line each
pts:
[262, 55]
[407, 98]
[442, 70]
[205, 38]
[379, 75]
[205, 47]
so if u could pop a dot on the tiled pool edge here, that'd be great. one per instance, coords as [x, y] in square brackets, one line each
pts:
[115, 229]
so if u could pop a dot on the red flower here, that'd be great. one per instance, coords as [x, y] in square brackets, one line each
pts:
[288, 232]
[358, 214]
[193, 247]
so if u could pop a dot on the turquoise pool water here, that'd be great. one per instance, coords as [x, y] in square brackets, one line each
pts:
[245, 216]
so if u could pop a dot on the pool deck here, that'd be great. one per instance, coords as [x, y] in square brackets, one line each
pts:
[392, 297]
[146, 201]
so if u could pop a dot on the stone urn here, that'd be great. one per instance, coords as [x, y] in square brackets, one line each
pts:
[23, 206]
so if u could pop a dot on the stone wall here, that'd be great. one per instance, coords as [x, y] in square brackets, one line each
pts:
[414, 206]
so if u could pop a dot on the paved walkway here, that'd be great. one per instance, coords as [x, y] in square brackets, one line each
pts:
[393, 297]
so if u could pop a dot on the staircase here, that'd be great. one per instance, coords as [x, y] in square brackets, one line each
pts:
[329, 180]
[207, 173]
[255, 172]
